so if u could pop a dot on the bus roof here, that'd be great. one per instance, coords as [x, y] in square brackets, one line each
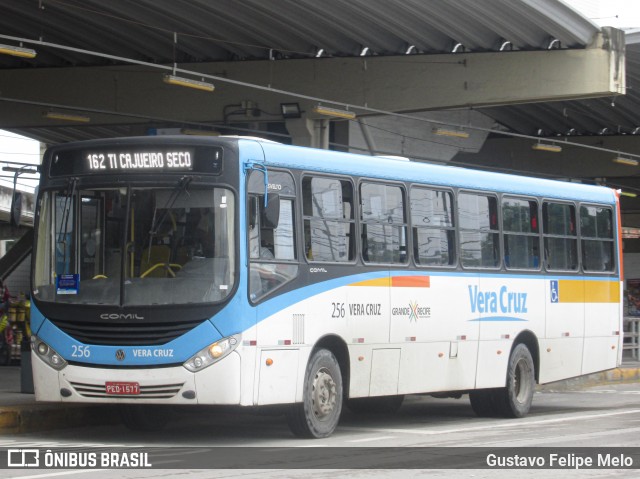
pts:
[379, 167]
[329, 161]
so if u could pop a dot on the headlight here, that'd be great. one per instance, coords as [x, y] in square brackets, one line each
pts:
[212, 353]
[47, 354]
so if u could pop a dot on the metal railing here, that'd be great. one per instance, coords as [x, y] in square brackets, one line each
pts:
[632, 336]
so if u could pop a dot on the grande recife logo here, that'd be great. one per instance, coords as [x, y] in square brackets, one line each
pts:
[414, 311]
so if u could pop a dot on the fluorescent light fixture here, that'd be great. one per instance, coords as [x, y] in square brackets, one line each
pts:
[626, 161]
[325, 110]
[188, 82]
[453, 133]
[630, 195]
[17, 51]
[547, 147]
[290, 110]
[54, 115]
[188, 131]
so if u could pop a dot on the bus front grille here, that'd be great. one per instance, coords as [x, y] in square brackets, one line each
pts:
[124, 334]
[161, 391]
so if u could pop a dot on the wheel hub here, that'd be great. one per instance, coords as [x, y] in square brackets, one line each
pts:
[521, 380]
[324, 393]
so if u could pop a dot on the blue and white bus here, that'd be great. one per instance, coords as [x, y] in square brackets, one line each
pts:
[235, 271]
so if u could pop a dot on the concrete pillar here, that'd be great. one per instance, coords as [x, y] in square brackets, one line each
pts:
[306, 132]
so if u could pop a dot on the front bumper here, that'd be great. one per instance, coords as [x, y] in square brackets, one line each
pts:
[216, 384]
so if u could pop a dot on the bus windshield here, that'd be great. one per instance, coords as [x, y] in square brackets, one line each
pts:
[139, 246]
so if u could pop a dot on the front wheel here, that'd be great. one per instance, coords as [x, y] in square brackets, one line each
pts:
[318, 414]
[515, 399]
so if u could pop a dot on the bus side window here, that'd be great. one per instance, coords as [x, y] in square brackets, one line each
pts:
[520, 233]
[328, 219]
[560, 236]
[479, 233]
[384, 223]
[597, 242]
[433, 227]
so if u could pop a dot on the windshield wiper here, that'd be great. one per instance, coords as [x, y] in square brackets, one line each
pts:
[66, 213]
[177, 192]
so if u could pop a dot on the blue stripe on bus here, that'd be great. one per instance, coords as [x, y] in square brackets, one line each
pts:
[334, 162]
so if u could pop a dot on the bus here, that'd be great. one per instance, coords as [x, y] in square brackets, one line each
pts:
[234, 271]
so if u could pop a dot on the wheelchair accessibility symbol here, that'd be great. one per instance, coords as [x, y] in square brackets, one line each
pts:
[554, 291]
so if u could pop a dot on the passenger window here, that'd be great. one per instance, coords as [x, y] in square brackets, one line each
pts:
[433, 227]
[478, 217]
[596, 231]
[560, 236]
[520, 227]
[384, 227]
[329, 226]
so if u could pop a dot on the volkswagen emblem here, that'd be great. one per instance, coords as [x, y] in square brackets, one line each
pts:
[120, 355]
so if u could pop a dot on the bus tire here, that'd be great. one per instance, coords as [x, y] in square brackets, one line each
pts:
[318, 414]
[143, 417]
[482, 402]
[514, 400]
[376, 405]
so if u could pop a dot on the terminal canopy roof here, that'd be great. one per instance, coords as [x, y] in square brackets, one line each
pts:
[226, 36]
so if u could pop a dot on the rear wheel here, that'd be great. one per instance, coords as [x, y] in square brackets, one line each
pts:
[143, 417]
[318, 414]
[515, 399]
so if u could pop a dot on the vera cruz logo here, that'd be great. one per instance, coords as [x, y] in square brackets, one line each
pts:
[497, 305]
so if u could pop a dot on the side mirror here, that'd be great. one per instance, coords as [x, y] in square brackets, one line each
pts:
[271, 214]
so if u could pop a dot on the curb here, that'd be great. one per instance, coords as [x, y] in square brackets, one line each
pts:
[622, 375]
[46, 417]
[612, 376]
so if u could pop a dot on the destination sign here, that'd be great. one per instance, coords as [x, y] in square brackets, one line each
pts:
[142, 160]
[199, 159]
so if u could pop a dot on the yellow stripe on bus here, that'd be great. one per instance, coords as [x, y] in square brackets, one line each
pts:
[580, 291]
[374, 282]
[398, 282]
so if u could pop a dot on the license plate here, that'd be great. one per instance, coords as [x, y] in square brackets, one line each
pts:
[124, 389]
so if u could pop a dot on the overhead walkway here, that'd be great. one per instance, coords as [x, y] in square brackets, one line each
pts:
[14, 266]
[18, 253]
